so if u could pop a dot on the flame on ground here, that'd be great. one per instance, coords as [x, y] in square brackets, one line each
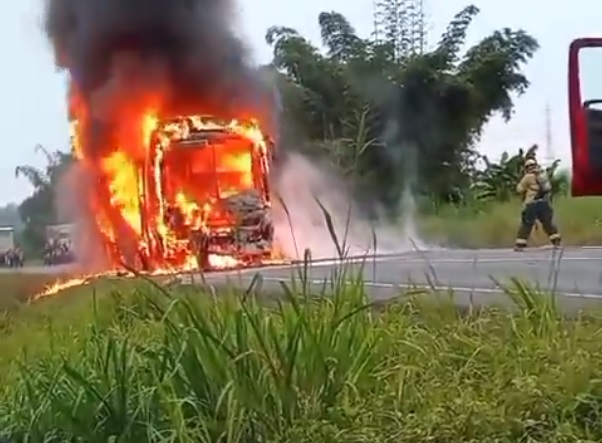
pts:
[60, 286]
[217, 262]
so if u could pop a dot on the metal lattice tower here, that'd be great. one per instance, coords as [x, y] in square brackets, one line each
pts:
[375, 25]
[403, 23]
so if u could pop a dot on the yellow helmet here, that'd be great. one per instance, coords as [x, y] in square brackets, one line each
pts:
[530, 163]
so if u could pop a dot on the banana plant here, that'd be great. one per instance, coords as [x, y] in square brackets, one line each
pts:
[497, 181]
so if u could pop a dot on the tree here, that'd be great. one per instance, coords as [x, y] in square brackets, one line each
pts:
[38, 210]
[421, 112]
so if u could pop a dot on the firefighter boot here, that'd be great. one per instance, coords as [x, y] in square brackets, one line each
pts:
[545, 215]
[527, 221]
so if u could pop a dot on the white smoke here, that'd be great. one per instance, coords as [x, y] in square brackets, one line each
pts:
[299, 184]
[71, 197]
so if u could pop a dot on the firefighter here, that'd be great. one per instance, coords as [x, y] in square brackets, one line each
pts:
[535, 189]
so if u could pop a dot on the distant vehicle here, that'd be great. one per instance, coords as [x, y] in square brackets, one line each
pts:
[10, 255]
[58, 249]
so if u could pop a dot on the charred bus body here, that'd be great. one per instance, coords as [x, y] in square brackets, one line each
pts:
[208, 182]
[203, 197]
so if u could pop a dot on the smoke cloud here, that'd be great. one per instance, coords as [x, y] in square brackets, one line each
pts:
[125, 57]
[180, 57]
[185, 49]
[301, 224]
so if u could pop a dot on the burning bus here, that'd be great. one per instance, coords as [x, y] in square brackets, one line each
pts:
[207, 180]
[198, 197]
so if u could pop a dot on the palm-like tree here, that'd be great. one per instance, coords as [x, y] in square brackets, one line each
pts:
[40, 179]
[497, 181]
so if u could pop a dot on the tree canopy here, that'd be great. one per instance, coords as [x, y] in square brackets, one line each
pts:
[39, 209]
[392, 114]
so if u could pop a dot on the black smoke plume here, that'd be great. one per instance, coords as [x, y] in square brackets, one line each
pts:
[120, 47]
[123, 56]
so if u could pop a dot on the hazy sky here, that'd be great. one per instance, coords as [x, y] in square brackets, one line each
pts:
[33, 93]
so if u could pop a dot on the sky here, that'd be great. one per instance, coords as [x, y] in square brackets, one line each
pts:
[33, 92]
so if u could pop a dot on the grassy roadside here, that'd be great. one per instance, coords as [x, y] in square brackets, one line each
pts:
[145, 364]
[16, 287]
[579, 220]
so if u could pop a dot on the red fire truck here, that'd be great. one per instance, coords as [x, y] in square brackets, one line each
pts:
[585, 115]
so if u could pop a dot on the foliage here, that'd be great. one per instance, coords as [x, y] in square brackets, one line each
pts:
[39, 210]
[152, 365]
[497, 181]
[424, 111]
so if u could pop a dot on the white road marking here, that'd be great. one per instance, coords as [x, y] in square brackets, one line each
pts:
[315, 264]
[401, 261]
[475, 290]
[478, 260]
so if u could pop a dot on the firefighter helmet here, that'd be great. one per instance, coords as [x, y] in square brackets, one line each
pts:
[530, 163]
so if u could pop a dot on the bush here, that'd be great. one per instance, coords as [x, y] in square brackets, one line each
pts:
[579, 221]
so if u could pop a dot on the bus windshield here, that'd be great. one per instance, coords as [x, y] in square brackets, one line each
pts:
[209, 170]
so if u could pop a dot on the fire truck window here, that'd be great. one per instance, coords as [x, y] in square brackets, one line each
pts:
[590, 66]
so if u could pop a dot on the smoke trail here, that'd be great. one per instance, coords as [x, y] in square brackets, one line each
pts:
[299, 183]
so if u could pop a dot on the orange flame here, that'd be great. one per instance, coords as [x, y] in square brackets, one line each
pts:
[161, 193]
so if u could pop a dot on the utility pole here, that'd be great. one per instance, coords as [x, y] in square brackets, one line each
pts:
[419, 26]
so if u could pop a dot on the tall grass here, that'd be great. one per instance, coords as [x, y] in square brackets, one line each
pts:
[191, 368]
[579, 221]
[152, 365]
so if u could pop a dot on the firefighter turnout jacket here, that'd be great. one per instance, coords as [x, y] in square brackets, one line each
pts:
[534, 185]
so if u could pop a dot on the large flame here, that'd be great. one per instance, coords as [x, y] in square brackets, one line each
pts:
[159, 192]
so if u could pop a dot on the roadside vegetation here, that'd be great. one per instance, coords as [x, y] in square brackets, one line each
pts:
[138, 362]
[579, 221]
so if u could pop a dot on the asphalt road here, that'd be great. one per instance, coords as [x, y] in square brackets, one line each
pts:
[474, 276]
[574, 274]
[59, 269]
